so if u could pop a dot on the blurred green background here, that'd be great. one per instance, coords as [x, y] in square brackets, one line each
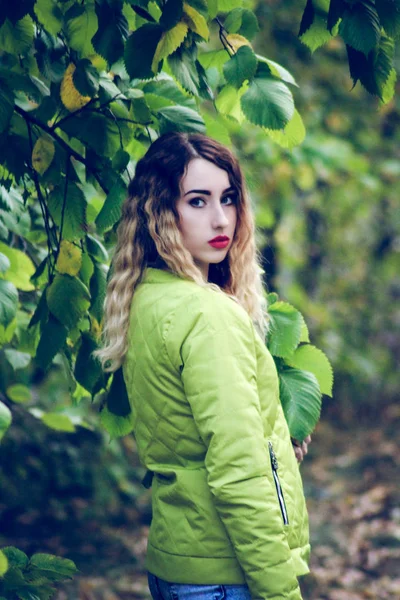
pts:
[329, 230]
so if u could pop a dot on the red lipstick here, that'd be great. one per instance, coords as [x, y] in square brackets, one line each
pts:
[221, 241]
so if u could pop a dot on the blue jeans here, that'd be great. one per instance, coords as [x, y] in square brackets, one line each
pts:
[163, 590]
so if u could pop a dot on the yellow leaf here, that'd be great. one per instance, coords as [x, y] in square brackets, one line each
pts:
[237, 41]
[169, 42]
[70, 96]
[3, 557]
[95, 328]
[69, 258]
[196, 21]
[43, 154]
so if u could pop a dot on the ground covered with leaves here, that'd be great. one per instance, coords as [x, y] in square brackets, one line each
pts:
[351, 483]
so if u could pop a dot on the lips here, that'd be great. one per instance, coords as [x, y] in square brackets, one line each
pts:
[219, 238]
[219, 242]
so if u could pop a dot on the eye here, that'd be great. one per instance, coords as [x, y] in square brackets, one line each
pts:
[195, 200]
[232, 199]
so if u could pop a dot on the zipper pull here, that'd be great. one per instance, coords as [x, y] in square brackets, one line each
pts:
[274, 460]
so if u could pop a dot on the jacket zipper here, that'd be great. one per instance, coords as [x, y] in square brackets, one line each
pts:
[281, 499]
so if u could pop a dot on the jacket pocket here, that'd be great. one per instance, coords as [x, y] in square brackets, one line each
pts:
[281, 499]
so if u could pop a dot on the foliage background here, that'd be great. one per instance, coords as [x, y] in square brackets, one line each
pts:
[329, 230]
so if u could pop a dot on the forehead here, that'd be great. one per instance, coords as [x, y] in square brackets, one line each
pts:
[203, 174]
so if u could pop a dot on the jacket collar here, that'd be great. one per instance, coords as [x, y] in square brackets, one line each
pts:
[153, 275]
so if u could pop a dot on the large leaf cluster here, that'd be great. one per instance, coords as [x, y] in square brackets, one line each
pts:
[369, 28]
[84, 88]
[29, 578]
[304, 371]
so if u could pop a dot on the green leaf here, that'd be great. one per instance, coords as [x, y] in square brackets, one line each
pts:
[360, 26]
[87, 269]
[169, 42]
[121, 160]
[228, 102]
[88, 371]
[98, 285]
[18, 38]
[6, 105]
[21, 268]
[49, 15]
[114, 425]
[308, 17]
[316, 36]
[168, 89]
[140, 49]
[292, 135]
[196, 22]
[8, 302]
[112, 31]
[74, 223]
[389, 15]
[180, 118]
[216, 129]
[310, 358]
[336, 10]
[58, 422]
[285, 329]
[5, 422]
[268, 103]
[81, 25]
[171, 13]
[214, 58]
[7, 333]
[33, 87]
[304, 337]
[16, 558]
[228, 5]
[4, 263]
[301, 401]
[19, 393]
[242, 21]
[111, 209]
[54, 565]
[52, 340]
[18, 360]
[117, 396]
[51, 56]
[96, 248]
[277, 70]
[375, 71]
[99, 132]
[86, 78]
[68, 299]
[241, 66]
[183, 67]
[389, 87]
[212, 8]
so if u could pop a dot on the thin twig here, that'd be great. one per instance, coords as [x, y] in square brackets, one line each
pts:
[29, 118]
[41, 203]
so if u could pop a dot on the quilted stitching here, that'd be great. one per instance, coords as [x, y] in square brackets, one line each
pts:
[204, 392]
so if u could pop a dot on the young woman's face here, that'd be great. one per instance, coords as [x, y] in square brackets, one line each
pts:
[207, 209]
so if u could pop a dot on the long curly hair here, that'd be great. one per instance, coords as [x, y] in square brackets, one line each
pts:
[148, 235]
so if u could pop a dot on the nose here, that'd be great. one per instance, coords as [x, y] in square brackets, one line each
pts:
[219, 218]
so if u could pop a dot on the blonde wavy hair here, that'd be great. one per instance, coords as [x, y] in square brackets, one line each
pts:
[148, 235]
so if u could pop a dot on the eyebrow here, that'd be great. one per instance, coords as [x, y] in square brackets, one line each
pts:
[207, 192]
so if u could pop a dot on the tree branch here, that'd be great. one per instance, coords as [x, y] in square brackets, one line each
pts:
[31, 119]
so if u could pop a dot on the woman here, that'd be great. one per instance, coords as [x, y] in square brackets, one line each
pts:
[186, 318]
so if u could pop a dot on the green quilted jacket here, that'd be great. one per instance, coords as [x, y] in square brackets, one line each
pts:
[227, 499]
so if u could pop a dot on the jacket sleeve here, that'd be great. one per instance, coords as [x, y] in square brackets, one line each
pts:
[219, 374]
